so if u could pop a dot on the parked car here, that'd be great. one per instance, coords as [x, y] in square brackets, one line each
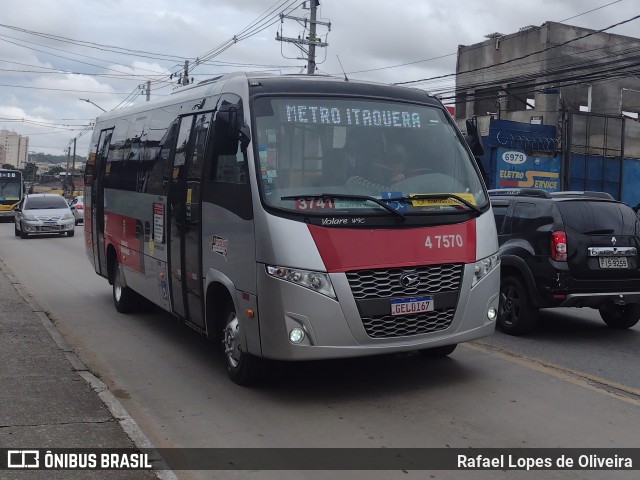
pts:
[77, 208]
[566, 249]
[43, 213]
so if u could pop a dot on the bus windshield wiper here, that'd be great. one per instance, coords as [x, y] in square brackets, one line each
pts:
[443, 196]
[346, 196]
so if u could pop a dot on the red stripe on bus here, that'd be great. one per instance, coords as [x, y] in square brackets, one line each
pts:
[120, 230]
[344, 249]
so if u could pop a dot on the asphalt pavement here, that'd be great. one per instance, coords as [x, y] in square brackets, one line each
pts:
[50, 400]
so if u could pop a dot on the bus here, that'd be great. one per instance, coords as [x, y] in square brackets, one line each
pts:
[11, 191]
[277, 216]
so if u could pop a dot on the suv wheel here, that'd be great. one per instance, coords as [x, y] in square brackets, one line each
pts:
[516, 313]
[620, 316]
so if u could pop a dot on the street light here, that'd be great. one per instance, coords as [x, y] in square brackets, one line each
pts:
[89, 101]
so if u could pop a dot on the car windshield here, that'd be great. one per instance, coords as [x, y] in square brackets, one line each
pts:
[41, 203]
[311, 148]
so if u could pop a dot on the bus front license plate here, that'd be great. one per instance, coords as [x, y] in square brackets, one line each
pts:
[407, 306]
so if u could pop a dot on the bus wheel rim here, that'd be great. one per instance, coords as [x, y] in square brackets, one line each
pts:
[230, 341]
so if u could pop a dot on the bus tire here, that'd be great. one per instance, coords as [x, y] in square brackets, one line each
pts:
[242, 367]
[123, 296]
[438, 352]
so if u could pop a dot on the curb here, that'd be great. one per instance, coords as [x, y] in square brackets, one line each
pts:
[126, 422]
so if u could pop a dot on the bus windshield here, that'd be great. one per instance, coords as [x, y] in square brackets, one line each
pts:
[309, 148]
[10, 185]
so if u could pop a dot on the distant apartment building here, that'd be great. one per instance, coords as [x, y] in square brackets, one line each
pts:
[14, 148]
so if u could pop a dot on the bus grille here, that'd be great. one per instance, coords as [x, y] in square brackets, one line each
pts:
[388, 326]
[382, 283]
[372, 285]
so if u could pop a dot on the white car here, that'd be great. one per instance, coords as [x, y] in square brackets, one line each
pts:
[43, 213]
[77, 208]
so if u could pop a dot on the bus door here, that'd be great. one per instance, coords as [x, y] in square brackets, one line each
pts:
[185, 223]
[97, 202]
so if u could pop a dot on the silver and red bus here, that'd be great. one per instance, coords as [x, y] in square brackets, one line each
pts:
[295, 218]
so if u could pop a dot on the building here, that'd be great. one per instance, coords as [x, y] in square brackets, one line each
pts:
[565, 98]
[15, 148]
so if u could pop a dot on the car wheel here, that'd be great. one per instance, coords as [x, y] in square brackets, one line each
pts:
[242, 367]
[620, 316]
[438, 352]
[516, 313]
[123, 297]
[23, 234]
[71, 233]
[15, 229]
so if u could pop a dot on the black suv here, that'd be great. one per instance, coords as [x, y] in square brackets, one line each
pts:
[566, 249]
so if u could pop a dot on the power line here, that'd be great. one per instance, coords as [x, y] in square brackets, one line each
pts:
[455, 53]
[546, 49]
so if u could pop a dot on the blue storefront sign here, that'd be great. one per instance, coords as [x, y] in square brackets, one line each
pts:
[517, 169]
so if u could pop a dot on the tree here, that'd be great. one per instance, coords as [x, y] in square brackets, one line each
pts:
[55, 170]
[9, 166]
[29, 172]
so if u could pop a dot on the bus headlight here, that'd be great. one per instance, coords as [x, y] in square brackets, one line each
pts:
[316, 281]
[483, 267]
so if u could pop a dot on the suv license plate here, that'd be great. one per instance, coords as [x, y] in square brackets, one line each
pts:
[405, 306]
[613, 262]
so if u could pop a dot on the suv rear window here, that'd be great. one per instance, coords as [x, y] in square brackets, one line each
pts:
[592, 217]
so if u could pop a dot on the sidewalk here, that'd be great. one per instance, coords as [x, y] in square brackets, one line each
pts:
[48, 398]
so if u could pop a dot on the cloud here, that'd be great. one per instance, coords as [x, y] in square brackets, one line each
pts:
[376, 40]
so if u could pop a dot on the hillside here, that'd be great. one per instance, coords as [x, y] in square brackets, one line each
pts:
[57, 159]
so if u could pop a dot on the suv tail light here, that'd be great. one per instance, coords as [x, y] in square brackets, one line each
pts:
[559, 246]
[79, 207]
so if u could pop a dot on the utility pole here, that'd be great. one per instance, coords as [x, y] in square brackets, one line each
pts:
[312, 40]
[148, 90]
[65, 184]
[73, 167]
[185, 76]
[311, 64]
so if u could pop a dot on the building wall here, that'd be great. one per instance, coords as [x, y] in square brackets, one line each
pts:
[552, 74]
[16, 148]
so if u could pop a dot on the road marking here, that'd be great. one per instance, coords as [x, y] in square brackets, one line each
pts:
[607, 387]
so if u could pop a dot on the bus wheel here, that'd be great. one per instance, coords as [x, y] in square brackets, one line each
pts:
[242, 367]
[438, 352]
[123, 296]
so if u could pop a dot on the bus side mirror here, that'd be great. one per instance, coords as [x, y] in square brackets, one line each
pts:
[230, 130]
[473, 139]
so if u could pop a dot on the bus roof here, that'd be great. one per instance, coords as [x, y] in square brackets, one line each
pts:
[260, 82]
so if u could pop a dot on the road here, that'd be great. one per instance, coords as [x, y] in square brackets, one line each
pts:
[574, 383]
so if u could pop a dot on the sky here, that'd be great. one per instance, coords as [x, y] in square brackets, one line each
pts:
[53, 53]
